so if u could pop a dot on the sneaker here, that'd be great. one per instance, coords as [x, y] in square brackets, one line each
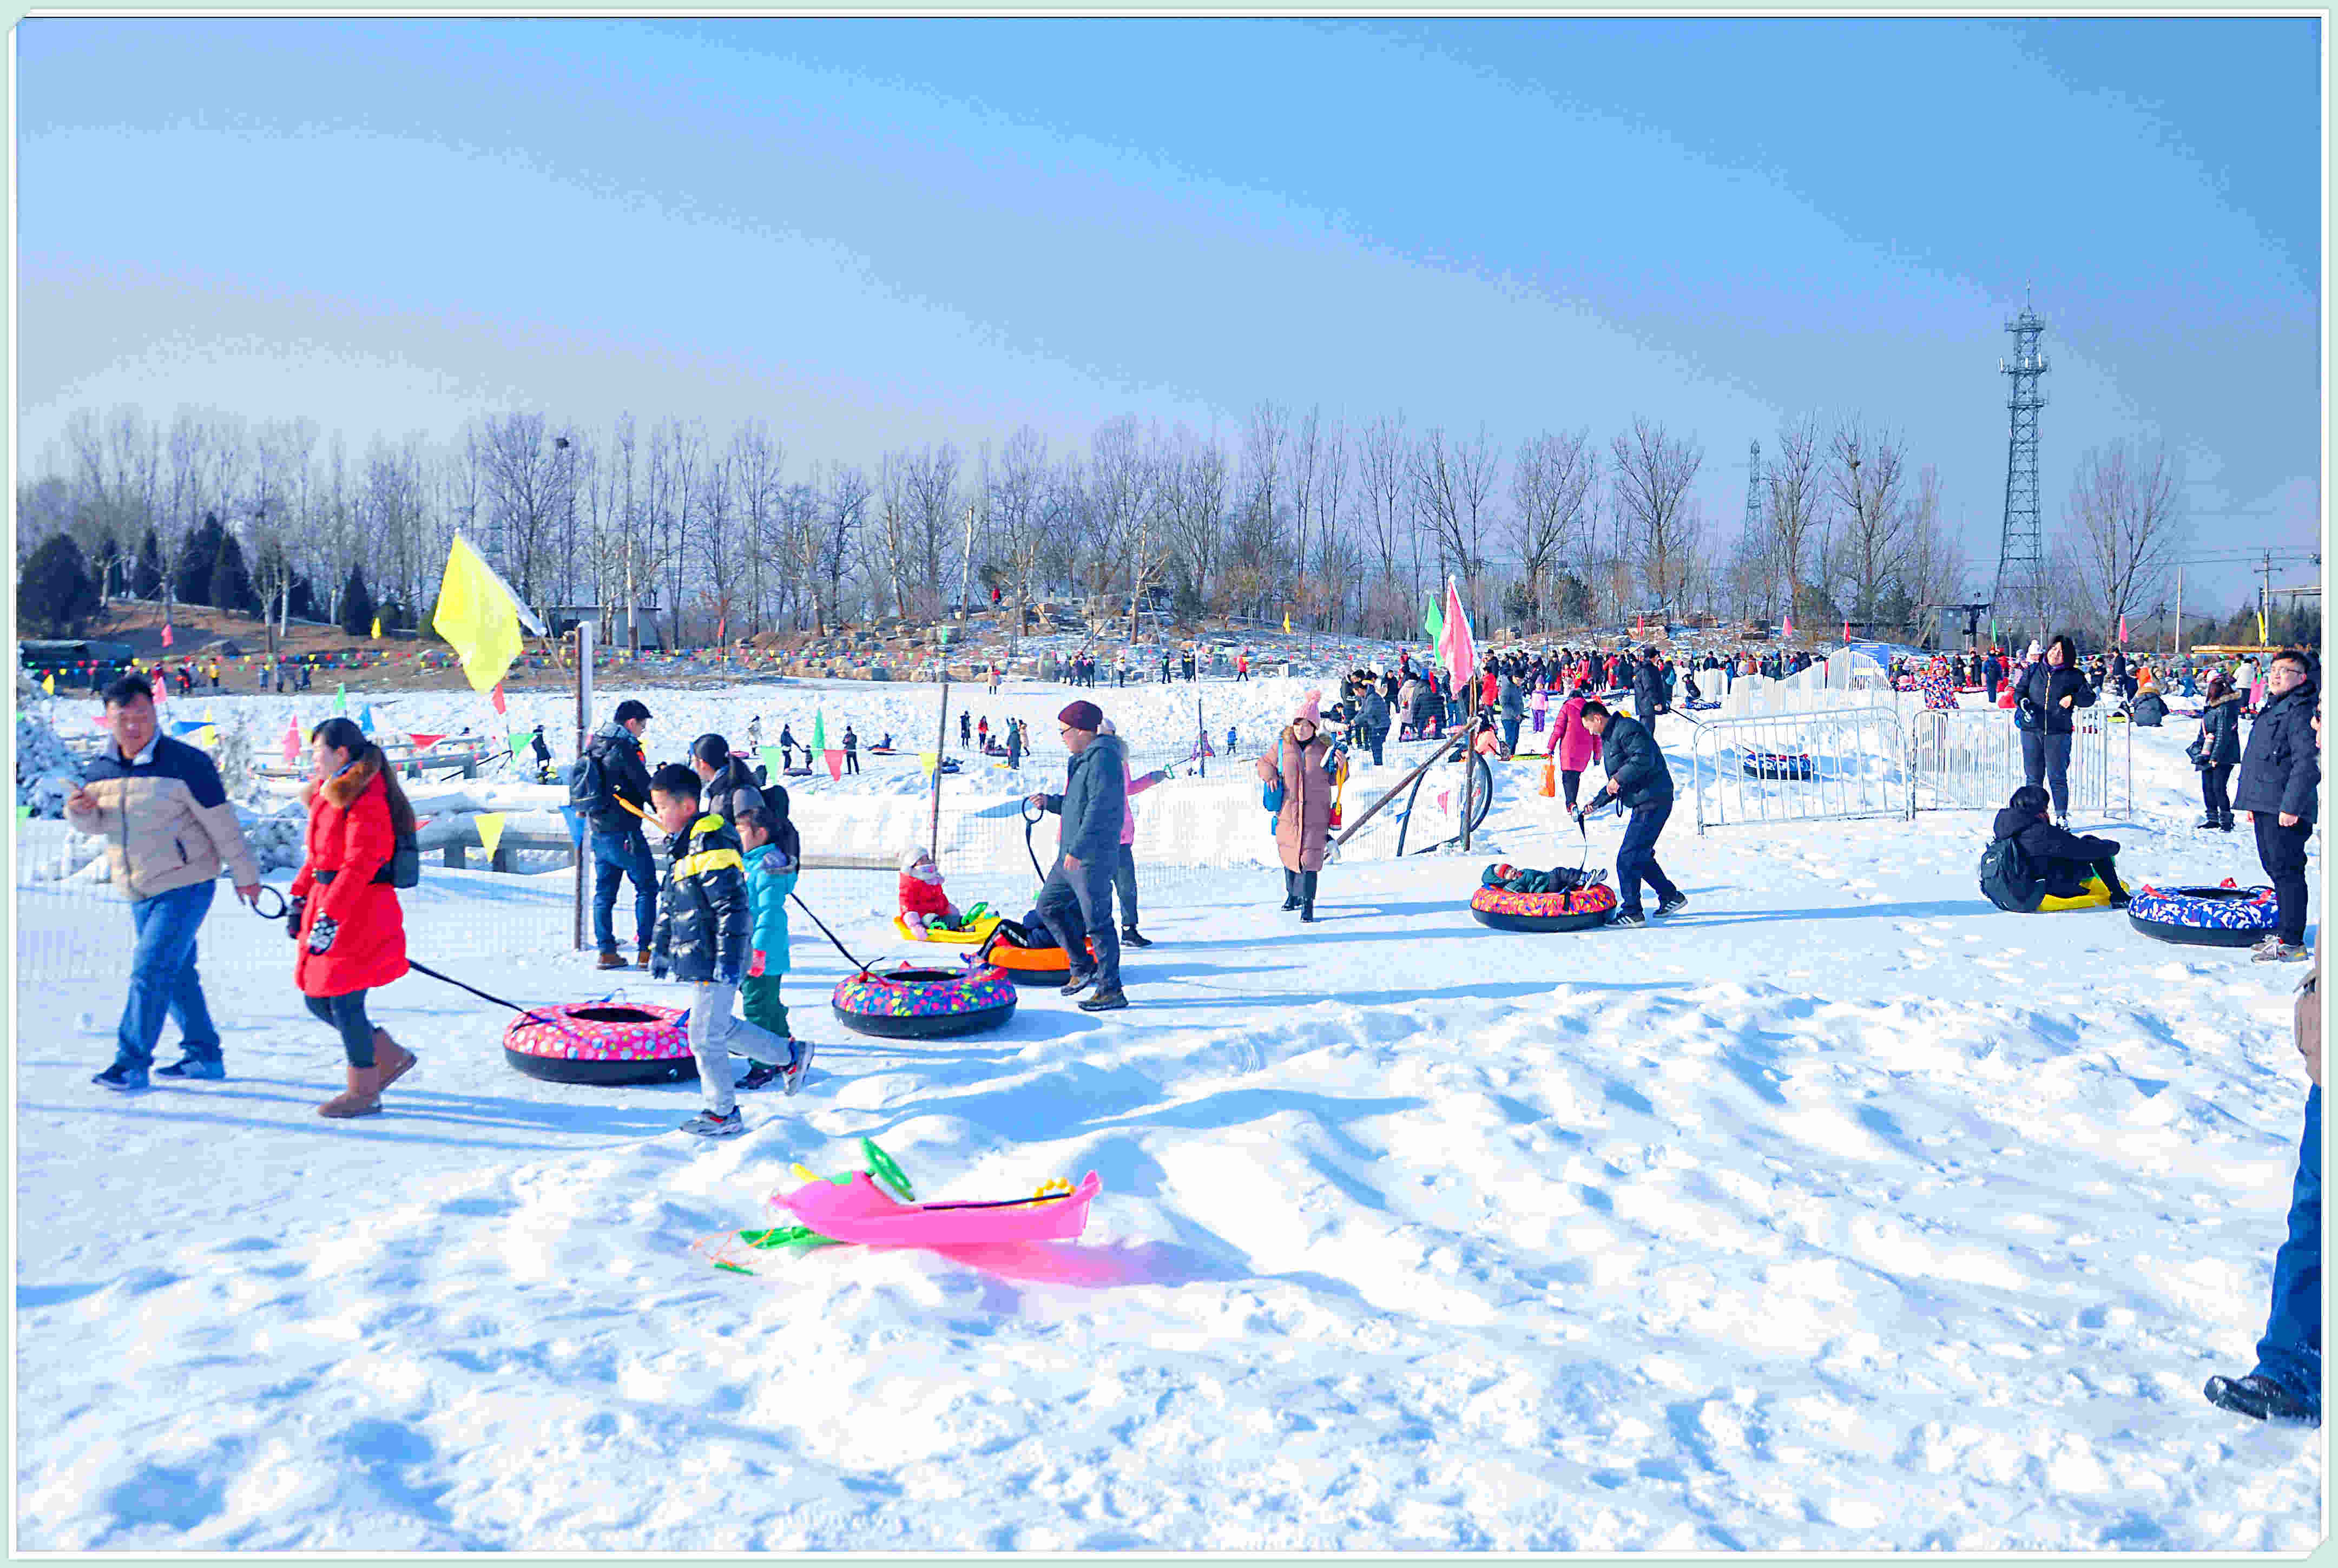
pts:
[1134, 938]
[801, 1070]
[1673, 905]
[2274, 950]
[213, 1068]
[121, 1078]
[760, 1075]
[1107, 999]
[610, 961]
[707, 1124]
[2260, 1398]
[1628, 917]
[1078, 983]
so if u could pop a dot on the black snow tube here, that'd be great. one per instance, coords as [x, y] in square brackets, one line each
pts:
[914, 1003]
[601, 1042]
[2206, 916]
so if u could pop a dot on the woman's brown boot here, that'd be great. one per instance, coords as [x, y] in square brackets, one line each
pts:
[391, 1059]
[361, 1098]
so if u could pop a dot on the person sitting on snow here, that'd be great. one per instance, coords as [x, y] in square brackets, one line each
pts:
[924, 905]
[2055, 862]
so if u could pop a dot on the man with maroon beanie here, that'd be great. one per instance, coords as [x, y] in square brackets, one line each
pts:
[1093, 806]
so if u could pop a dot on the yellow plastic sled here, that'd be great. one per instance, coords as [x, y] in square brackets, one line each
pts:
[971, 936]
[2096, 896]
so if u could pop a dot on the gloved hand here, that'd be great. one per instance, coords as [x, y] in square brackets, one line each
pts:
[321, 935]
[729, 977]
[293, 910]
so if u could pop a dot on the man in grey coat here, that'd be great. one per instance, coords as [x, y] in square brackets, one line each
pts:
[1094, 804]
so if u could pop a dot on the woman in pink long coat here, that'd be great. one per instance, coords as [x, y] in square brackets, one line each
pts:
[1302, 759]
[1578, 747]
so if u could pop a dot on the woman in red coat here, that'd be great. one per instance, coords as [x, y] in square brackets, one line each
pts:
[351, 934]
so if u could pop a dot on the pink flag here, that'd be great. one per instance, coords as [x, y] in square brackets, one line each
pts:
[2122, 625]
[1846, 631]
[291, 741]
[1788, 630]
[1454, 644]
[835, 764]
[499, 698]
[166, 634]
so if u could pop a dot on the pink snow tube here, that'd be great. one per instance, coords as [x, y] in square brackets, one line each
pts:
[601, 1042]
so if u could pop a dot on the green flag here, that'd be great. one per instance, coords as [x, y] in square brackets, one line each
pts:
[520, 738]
[340, 697]
[1433, 622]
[820, 730]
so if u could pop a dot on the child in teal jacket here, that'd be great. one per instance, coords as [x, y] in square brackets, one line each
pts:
[772, 874]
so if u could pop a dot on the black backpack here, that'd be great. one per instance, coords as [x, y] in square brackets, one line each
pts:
[588, 788]
[2005, 878]
[404, 867]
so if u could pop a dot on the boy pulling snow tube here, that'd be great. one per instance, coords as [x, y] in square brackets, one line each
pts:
[905, 1003]
[2225, 916]
[604, 1043]
[1576, 909]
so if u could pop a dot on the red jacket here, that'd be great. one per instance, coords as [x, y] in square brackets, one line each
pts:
[349, 837]
[919, 896]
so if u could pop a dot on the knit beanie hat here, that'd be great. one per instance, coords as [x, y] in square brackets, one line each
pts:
[910, 857]
[1081, 715]
[1311, 710]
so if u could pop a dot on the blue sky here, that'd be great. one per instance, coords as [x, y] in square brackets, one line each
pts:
[872, 232]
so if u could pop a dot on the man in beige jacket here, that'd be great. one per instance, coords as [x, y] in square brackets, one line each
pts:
[168, 828]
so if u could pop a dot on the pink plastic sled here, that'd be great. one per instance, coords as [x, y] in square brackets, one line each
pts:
[859, 1211]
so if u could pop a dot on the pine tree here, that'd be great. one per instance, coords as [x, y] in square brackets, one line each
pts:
[56, 592]
[193, 584]
[230, 586]
[146, 576]
[303, 606]
[356, 605]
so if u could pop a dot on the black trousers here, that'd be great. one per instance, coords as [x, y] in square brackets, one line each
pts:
[2282, 851]
[2214, 795]
[1569, 780]
[348, 1014]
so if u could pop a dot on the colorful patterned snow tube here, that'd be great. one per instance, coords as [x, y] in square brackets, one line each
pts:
[601, 1042]
[1579, 909]
[2225, 916]
[1779, 765]
[905, 1003]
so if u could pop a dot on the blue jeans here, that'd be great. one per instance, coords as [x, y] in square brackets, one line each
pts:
[1635, 857]
[163, 978]
[2291, 1351]
[615, 856]
[2045, 760]
[1510, 734]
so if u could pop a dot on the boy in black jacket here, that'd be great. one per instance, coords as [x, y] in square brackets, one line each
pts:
[704, 923]
[2060, 861]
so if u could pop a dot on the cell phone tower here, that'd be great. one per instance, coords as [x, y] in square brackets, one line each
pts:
[1752, 540]
[2018, 601]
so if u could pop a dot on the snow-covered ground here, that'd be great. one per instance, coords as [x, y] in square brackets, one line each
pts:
[1840, 1212]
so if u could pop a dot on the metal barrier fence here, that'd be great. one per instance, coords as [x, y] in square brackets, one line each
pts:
[1971, 760]
[1826, 765]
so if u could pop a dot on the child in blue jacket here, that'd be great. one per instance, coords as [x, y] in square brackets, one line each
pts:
[769, 838]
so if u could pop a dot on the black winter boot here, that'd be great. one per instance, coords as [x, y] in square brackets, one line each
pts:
[1291, 889]
[1307, 894]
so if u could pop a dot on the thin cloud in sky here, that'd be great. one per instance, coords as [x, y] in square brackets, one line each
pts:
[873, 232]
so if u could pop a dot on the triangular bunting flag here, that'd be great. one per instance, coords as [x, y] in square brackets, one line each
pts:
[519, 740]
[772, 761]
[498, 698]
[421, 739]
[491, 830]
[49, 683]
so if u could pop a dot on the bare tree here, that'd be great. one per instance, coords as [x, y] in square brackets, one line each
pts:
[1017, 506]
[1797, 507]
[1931, 562]
[1325, 587]
[1652, 473]
[1262, 465]
[1865, 477]
[1382, 476]
[2125, 525]
[1451, 484]
[1551, 488]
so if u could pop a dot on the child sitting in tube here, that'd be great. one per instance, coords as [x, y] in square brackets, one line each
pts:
[924, 905]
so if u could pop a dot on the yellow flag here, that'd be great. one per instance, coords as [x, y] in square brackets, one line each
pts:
[491, 830]
[49, 683]
[928, 760]
[2261, 626]
[377, 628]
[207, 736]
[1286, 622]
[479, 616]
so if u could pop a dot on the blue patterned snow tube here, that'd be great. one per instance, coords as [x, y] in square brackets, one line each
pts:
[2225, 917]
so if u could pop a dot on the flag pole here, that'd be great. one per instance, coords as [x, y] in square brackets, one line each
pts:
[583, 735]
[941, 744]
